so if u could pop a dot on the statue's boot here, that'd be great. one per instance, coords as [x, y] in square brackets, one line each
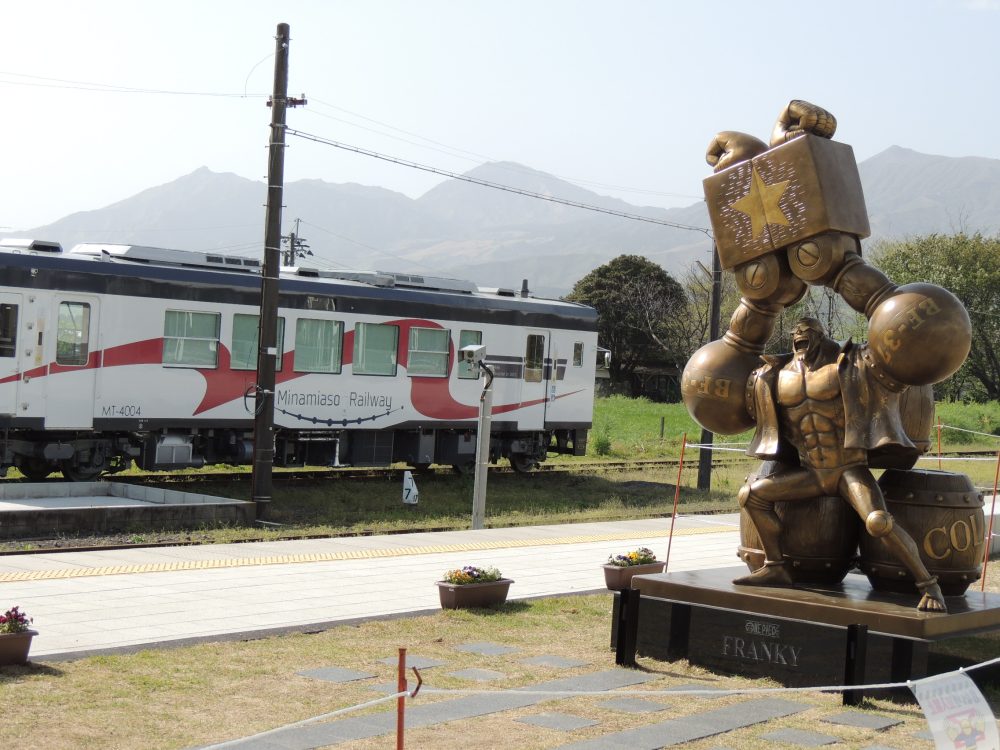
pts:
[771, 573]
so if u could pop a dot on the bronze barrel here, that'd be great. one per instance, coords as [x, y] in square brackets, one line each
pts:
[943, 512]
[819, 537]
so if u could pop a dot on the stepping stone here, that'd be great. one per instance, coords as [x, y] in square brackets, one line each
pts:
[800, 738]
[924, 735]
[479, 675]
[549, 660]
[878, 747]
[485, 648]
[561, 722]
[335, 674]
[862, 720]
[694, 727]
[633, 706]
[420, 662]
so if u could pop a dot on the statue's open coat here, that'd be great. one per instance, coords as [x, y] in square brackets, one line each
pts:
[872, 412]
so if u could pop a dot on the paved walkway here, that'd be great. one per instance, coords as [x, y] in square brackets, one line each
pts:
[92, 602]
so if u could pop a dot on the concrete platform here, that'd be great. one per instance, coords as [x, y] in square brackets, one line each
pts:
[38, 509]
[126, 599]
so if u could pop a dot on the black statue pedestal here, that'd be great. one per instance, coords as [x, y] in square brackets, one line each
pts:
[840, 634]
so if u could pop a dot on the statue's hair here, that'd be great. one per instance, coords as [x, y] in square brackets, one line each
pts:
[813, 323]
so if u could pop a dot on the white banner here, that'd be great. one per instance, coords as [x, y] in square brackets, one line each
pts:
[958, 715]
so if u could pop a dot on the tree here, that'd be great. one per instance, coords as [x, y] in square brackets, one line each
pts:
[969, 267]
[635, 301]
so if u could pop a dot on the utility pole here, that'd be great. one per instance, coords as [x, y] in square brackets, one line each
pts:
[263, 427]
[297, 247]
[705, 454]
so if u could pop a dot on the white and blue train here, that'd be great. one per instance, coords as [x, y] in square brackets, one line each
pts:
[115, 353]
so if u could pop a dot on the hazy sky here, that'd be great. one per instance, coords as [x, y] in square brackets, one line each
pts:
[612, 94]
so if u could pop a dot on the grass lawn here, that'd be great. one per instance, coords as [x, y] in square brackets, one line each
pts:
[184, 697]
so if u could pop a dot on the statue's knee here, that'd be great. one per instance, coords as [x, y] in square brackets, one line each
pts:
[744, 495]
[878, 523]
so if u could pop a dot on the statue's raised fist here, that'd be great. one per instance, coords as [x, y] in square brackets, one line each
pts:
[801, 117]
[731, 147]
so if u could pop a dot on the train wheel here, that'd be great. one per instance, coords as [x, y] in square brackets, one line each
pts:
[36, 469]
[464, 469]
[421, 468]
[523, 464]
[80, 472]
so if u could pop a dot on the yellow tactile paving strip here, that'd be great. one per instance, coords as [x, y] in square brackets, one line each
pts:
[364, 554]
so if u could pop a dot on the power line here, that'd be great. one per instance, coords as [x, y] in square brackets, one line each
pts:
[367, 247]
[494, 185]
[63, 83]
[474, 156]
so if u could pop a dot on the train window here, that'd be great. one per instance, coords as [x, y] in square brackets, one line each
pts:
[73, 334]
[191, 339]
[469, 338]
[317, 345]
[578, 354]
[428, 352]
[246, 335]
[534, 358]
[375, 349]
[8, 330]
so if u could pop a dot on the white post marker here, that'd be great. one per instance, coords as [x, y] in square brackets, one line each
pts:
[958, 715]
[411, 495]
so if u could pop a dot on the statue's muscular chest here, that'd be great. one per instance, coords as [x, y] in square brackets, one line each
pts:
[796, 386]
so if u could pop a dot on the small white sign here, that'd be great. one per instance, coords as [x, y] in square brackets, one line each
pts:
[958, 715]
[411, 495]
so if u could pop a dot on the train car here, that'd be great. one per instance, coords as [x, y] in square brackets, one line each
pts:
[114, 353]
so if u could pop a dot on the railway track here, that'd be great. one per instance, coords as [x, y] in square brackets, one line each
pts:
[294, 476]
[351, 473]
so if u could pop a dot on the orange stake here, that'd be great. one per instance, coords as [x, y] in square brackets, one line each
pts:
[401, 700]
[989, 534]
[677, 497]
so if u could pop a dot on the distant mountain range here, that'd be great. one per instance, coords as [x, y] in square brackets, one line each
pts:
[497, 238]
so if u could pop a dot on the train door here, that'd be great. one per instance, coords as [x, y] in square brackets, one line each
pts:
[534, 389]
[73, 355]
[10, 318]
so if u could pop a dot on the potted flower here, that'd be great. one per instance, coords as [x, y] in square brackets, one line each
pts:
[15, 637]
[619, 569]
[472, 587]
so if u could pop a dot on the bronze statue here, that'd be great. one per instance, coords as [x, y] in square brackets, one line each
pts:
[817, 399]
[786, 216]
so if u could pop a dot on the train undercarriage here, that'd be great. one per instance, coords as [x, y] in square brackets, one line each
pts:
[86, 456]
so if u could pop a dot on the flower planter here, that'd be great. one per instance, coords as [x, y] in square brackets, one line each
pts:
[14, 647]
[464, 596]
[618, 578]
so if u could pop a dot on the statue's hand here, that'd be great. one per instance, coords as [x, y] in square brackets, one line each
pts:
[801, 117]
[731, 147]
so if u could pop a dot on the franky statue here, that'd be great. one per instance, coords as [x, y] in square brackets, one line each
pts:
[784, 216]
